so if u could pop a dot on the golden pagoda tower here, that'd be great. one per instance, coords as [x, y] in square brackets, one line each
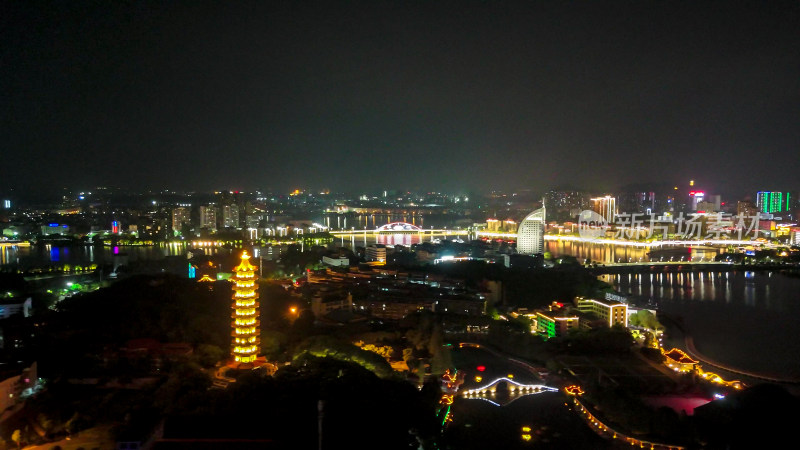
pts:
[245, 332]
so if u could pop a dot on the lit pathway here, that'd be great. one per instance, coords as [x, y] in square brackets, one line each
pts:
[694, 353]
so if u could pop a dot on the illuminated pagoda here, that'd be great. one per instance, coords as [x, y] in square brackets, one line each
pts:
[245, 324]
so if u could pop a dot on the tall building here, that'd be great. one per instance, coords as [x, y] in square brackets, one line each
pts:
[376, 253]
[180, 215]
[642, 202]
[566, 205]
[208, 217]
[773, 202]
[245, 312]
[530, 234]
[746, 209]
[230, 216]
[606, 207]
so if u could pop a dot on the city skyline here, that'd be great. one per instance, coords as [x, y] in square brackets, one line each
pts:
[444, 96]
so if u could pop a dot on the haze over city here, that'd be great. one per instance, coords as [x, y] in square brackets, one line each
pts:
[372, 95]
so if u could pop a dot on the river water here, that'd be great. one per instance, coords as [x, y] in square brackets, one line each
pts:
[745, 319]
[608, 253]
[85, 254]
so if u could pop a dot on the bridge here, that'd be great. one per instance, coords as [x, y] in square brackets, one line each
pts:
[489, 392]
[628, 243]
[399, 228]
[659, 267]
[15, 244]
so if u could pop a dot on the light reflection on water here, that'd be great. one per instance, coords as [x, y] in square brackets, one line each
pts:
[753, 289]
[607, 253]
[743, 318]
[43, 254]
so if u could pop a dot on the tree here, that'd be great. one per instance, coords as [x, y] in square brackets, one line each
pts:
[271, 342]
[75, 424]
[209, 355]
[45, 422]
[440, 354]
[645, 319]
[16, 436]
[329, 347]
[186, 229]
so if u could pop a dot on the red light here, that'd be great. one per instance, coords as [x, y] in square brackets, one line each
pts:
[481, 368]
[692, 192]
[560, 305]
[700, 212]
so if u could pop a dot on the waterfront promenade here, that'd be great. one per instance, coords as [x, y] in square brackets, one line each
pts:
[696, 354]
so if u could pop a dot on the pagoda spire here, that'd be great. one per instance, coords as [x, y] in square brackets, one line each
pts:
[245, 324]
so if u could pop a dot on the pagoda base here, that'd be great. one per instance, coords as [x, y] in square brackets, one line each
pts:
[234, 367]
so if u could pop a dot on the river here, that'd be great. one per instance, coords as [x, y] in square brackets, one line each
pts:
[86, 254]
[744, 319]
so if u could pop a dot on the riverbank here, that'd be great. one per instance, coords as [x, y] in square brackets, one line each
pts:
[679, 337]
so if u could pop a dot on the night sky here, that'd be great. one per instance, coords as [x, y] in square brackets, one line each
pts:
[402, 95]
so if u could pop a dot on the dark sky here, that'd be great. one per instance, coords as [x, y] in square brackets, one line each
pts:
[433, 95]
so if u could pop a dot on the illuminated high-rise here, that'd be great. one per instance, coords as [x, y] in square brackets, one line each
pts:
[246, 323]
[208, 217]
[230, 216]
[180, 215]
[530, 234]
[773, 202]
[606, 207]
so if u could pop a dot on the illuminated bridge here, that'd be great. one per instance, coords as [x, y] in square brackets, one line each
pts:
[627, 243]
[400, 228]
[15, 244]
[501, 397]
